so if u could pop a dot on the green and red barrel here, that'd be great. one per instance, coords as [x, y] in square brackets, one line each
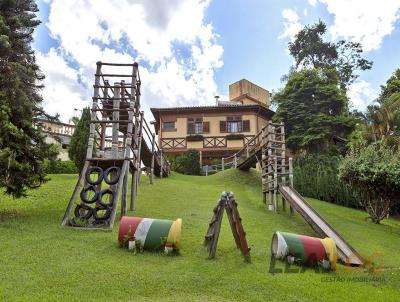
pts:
[304, 249]
[149, 233]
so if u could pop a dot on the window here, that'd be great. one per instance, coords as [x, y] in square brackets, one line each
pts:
[195, 125]
[168, 125]
[234, 124]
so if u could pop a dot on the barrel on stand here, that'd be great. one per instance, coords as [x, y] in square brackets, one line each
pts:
[149, 233]
[304, 249]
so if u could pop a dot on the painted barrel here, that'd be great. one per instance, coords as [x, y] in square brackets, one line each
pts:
[151, 234]
[304, 249]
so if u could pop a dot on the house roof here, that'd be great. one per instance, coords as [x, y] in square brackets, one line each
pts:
[220, 108]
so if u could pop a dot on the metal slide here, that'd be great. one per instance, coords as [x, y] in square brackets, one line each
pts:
[346, 253]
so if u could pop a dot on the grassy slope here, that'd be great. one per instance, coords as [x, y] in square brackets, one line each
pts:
[39, 260]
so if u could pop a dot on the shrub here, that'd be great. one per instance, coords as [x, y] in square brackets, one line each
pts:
[59, 167]
[187, 163]
[374, 173]
[316, 176]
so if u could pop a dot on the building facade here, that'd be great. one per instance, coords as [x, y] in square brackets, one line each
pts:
[216, 131]
[58, 133]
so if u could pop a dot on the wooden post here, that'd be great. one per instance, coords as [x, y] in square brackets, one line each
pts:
[206, 170]
[275, 184]
[161, 163]
[201, 159]
[235, 161]
[115, 115]
[291, 178]
[92, 130]
[153, 141]
[270, 175]
[124, 191]
[223, 164]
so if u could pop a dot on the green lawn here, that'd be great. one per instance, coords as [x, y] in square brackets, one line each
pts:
[39, 260]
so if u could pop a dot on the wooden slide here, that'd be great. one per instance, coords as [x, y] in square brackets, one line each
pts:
[346, 252]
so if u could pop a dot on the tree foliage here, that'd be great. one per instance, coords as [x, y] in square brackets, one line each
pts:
[79, 141]
[314, 110]
[187, 163]
[374, 172]
[382, 119]
[22, 146]
[311, 51]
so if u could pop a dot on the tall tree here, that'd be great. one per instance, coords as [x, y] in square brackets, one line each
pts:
[313, 108]
[79, 141]
[311, 51]
[22, 146]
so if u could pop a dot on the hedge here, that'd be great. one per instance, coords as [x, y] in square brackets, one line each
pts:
[317, 176]
[59, 167]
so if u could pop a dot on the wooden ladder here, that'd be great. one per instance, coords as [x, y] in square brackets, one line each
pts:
[227, 202]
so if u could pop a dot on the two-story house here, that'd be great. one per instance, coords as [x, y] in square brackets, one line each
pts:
[216, 131]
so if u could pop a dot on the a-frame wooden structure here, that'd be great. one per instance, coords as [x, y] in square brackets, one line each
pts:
[226, 202]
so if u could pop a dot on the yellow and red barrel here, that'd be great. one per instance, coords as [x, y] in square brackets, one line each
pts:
[149, 233]
[304, 249]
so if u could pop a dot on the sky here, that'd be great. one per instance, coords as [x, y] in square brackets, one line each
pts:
[191, 50]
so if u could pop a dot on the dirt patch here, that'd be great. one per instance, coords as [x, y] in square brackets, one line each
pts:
[9, 215]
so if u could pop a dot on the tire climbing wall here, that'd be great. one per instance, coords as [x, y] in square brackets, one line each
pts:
[97, 197]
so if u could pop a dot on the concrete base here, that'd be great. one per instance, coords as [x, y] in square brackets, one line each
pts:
[270, 207]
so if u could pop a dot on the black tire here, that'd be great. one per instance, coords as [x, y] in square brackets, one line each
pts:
[105, 216]
[100, 198]
[112, 179]
[86, 216]
[92, 170]
[84, 196]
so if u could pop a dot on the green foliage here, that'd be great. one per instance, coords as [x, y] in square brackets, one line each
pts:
[382, 120]
[79, 141]
[310, 50]
[187, 163]
[22, 146]
[317, 176]
[314, 111]
[59, 167]
[374, 172]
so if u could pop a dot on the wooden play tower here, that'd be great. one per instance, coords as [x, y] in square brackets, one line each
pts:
[120, 140]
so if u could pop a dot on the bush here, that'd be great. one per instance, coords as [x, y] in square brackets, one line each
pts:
[187, 163]
[59, 167]
[374, 173]
[316, 176]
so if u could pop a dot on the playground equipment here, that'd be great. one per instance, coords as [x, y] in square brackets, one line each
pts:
[150, 234]
[227, 202]
[268, 148]
[304, 249]
[119, 141]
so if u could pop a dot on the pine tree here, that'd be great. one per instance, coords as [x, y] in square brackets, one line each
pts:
[79, 141]
[22, 146]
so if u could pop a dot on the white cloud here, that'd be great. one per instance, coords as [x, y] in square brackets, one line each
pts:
[141, 30]
[363, 21]
[291, 24]
[361, 94]
[312, 2]
[62, 93]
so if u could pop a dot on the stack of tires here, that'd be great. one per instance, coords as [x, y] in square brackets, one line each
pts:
[96, 205]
